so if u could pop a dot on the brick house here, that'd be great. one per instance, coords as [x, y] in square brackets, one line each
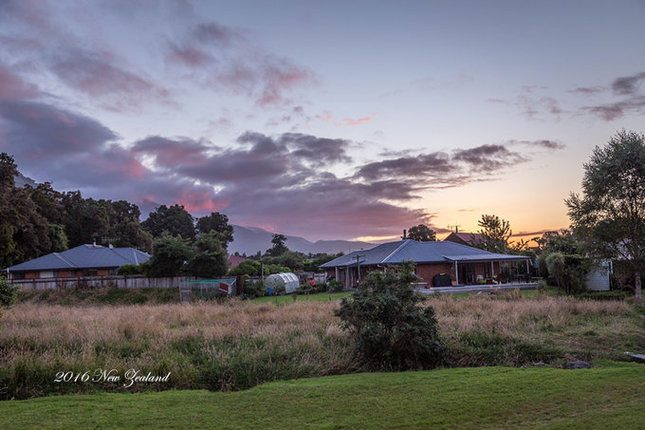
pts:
[84, 260]
[468, 239]
[456, 263]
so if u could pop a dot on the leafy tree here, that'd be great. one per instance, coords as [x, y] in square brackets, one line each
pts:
[217, 222]
[8, 172]
[23, 231]
[279, 247]
[30, 229]
[169, 253]
[210, 259]
[174, 219]
[295, 261]
[270, 269]
[313, 264]
[495, 233]
[85, 220]
[124, 228]
[610, 215]
[422, 233]
[569, 271]
[247, 267]
[58, 238]
[391, 328]
[558, 241]
[48, 201]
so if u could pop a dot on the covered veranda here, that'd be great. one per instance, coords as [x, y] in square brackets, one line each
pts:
[493, 269]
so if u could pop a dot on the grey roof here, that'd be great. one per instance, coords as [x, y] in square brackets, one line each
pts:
[419, 252]
[83, 257]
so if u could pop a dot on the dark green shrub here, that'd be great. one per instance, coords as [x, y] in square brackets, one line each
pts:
[335, 286]
[254, 289]
[8, 293]
[391, 328]
[568, 271]
[130, 269]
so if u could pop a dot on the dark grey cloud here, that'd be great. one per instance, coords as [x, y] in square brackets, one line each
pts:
[440, 170]
[543, 143]
[632, 99]
[39, 131]
[13, 87]
[320, 150]
[424, 165]
[612, 111]
[488, 158]
[100, 77]
[223, 58]
[628, 85]
[213, 33]
[587, 90]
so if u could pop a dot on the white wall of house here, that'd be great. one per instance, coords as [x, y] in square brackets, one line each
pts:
[598, 278]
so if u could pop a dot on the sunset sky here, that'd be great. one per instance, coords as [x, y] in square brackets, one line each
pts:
[327, 120]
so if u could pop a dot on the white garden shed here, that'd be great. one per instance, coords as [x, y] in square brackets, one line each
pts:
[288, 280]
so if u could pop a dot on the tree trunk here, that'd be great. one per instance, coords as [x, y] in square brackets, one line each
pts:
[637, 283]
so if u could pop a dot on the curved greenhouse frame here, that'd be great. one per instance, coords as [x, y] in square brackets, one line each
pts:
[288, 280]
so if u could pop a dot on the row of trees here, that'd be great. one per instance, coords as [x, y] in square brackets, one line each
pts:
[38, 220]
[186, 245]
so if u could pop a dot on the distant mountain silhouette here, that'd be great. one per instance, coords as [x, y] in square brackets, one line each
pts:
[250, 240]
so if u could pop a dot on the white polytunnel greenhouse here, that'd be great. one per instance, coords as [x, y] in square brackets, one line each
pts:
[289, 281]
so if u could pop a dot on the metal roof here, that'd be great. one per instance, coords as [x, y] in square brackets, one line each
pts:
[419, 252]
[83, 257]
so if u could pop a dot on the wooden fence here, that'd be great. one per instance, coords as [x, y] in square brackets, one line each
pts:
[133, 281]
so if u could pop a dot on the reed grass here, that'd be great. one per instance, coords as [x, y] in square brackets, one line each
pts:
[237, 344]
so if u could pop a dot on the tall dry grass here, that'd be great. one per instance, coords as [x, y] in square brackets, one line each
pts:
[482, 330]
[240, 344]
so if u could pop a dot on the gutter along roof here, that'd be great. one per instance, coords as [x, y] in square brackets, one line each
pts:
[419, 252]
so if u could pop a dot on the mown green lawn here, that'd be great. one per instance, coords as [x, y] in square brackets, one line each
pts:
[323, 297]
[286, 299]
[609, 396]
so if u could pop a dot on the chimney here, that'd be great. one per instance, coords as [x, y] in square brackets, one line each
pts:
[405, 236]
[456, 229]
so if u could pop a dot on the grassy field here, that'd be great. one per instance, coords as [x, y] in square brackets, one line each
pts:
[240, 344]
[609, 396]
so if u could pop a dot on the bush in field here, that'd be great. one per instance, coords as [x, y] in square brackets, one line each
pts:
[334, 286]
[391, 328]
[254, 289]
[8, 293]
[569, 271]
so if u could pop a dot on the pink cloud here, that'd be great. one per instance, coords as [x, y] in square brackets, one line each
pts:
[14, 87]
[116, 87]
[189, 56]
[350, 122]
